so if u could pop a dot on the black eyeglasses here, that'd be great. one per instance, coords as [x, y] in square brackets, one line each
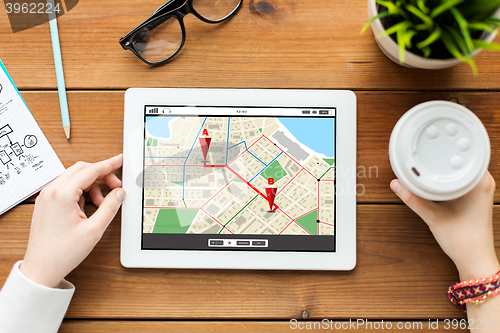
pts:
[162, 36]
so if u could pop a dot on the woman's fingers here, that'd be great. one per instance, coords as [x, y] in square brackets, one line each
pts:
[96, 194]
[81, 203]
[112, 181]
[424, 208]
[84, 178]
[107, 210]
[69, 172]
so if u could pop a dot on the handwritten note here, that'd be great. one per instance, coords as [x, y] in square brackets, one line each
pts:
[27, 161]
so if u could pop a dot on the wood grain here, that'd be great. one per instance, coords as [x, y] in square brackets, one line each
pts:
[401, 273]
[97, 129]
[70, 326]
[297, 44]
[378, 112]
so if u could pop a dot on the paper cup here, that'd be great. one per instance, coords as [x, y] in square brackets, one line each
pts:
[439, 150]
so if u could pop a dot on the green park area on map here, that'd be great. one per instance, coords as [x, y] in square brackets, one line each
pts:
[174, 221]
[275, 171]
[310, 222]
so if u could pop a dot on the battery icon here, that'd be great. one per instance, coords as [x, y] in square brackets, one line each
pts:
[324, 112]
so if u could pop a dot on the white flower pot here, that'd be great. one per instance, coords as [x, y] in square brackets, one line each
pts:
[391, 49]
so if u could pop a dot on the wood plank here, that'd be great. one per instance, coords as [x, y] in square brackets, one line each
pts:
[96, 125]
[378, 112]
[401, 273]
[97, 129]
[70, 326]
[299, 44]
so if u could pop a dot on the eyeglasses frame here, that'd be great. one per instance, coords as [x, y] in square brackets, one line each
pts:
[164, 13]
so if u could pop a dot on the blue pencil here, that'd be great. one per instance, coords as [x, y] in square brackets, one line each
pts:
[63, 101]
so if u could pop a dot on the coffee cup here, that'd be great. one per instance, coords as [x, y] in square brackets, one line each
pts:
[439, 150]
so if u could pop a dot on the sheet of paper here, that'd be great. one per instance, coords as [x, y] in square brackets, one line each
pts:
[27, 161]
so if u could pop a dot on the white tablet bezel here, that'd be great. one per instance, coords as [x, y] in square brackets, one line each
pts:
[345, 161]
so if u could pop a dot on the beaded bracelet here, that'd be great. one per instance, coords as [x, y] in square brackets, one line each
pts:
[474, 291]
[483, 298]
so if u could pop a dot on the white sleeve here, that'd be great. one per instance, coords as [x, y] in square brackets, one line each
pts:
[26, 306]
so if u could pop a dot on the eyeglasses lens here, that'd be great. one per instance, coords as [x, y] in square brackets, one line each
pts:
[159, 39]
[215, 10]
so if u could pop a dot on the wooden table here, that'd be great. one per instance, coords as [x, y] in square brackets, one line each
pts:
[401, 274]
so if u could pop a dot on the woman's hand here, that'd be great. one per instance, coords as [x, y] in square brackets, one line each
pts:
[463, 227]
[62, 236]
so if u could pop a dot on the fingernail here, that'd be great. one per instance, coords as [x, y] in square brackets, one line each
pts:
[395, 186]
[121, 194]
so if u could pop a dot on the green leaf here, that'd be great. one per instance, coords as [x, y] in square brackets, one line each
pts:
[434, 36]
[373, 19]
[459, 40]
[407, 36]
[392, 8]
[478, 10]
[394, 29]
[421, 27]
[480, 26]
[401, 45]
[427, 51]
[473, 66]
[493, 21]
[422, 7]
[462, 23]
[452, 48]
[481, 44]
[444, 7]
[429, 23]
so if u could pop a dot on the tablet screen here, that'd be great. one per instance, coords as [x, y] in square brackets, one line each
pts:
[248, 179]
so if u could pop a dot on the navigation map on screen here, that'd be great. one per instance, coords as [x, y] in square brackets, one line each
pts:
[239, 178]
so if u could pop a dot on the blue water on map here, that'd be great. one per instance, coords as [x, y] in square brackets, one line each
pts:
[158, 126]
[316, 133]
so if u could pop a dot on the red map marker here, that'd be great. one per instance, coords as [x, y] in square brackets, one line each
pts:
[205, 144]
[271, 193]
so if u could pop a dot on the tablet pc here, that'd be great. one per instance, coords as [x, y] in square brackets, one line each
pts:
[239, 179]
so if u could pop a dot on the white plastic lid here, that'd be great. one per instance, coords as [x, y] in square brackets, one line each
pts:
[439, 150]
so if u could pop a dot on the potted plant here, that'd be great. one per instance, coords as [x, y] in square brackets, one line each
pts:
[434, 34]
